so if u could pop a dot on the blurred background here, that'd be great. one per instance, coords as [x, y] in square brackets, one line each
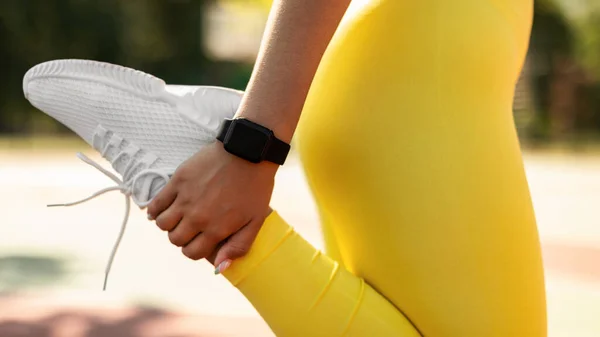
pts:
[52, 260]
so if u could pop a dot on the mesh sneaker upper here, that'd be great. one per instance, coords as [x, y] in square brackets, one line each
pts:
[144, 128]
[133, 119]
[148, 123]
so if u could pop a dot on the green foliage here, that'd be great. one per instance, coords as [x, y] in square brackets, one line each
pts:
[165, 38]
[565, 62]
[160, 37]
[551, 33]
[589, 48]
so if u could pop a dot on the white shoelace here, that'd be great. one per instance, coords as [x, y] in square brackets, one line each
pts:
[127, 191]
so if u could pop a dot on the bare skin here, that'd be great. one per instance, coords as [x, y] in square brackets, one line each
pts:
[216, 203]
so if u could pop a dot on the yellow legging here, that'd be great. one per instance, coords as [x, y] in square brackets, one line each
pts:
[409, 146]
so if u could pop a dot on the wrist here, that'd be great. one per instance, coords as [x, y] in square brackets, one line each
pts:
[264, 167]
[282, 128]
[252, 141]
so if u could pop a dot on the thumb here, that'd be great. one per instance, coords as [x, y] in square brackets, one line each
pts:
[237, 245]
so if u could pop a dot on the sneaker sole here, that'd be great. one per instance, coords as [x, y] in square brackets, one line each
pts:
[145, 86]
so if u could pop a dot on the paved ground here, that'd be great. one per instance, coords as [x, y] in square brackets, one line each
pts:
[52, 259]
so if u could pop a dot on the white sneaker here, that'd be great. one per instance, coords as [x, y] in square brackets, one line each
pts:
[142, 126]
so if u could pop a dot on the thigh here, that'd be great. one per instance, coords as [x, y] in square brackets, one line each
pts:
[409, 145]
[332, 248]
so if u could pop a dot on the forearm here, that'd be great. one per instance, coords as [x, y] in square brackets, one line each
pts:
[295, 39]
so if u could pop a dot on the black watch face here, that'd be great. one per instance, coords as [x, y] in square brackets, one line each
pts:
[247, 141]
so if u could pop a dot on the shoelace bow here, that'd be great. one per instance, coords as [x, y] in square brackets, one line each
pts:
[127, 191]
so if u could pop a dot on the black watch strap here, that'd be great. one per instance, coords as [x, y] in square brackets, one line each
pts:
[223, 131]
[277, 151]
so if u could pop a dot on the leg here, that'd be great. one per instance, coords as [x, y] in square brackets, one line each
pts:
[332, 247]
[409, 144]
[301, 292]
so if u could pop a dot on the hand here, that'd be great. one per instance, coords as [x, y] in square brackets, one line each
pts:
[215, 204]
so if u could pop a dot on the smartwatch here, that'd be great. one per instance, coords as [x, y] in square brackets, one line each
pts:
[252, 142]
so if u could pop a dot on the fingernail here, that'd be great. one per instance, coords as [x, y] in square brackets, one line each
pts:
[222, 266]
[150, 217]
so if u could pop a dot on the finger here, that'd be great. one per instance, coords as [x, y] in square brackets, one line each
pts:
[200, 247]
[211, 258]
[162, 201]
[185, 232]
[213, 234]
[205, 244]
[170, 218]
[238, 244]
